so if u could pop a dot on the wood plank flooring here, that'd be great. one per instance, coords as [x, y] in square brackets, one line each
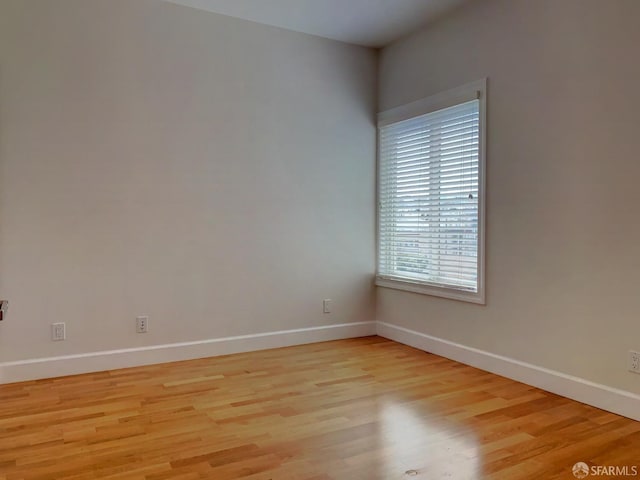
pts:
[360, 409]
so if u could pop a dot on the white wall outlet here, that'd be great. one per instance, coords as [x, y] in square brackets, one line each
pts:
[326, 305]
[142, 324]
[58, 332]
[634, 361]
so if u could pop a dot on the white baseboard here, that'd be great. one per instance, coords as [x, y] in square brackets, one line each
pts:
[613, 400]
[131, 357]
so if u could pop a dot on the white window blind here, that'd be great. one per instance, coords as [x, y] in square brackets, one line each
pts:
[429, 223]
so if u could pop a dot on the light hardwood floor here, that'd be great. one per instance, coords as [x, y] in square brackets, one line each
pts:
[360, 409]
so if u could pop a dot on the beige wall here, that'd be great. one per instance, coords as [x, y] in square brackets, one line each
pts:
[214, 174]
[563, 236]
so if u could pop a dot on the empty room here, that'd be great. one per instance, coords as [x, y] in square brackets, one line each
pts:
[319, 239]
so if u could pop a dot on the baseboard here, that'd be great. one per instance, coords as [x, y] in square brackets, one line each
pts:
[613, 400]
[131, 357]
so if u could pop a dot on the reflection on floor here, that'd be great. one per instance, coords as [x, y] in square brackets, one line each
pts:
[360, 409]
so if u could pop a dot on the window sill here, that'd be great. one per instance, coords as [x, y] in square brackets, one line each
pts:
[425, 289]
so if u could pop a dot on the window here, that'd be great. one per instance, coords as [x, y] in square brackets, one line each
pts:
[431, 195]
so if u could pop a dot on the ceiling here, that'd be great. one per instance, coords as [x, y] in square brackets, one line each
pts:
[372, 23]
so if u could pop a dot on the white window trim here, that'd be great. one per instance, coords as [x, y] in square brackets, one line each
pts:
[470, 91]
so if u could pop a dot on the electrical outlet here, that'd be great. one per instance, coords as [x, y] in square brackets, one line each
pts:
[58, 332]
[326, 306]
[634, 361]
[142, 324]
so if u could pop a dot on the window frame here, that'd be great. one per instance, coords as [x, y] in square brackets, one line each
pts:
[474, 90]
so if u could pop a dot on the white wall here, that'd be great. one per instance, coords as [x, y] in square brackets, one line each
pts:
[214, 174]
[563, 236]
